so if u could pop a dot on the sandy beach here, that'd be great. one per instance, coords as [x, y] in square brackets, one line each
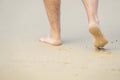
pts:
[24, 57]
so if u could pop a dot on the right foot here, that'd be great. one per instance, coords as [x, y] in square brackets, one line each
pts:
[99, 41]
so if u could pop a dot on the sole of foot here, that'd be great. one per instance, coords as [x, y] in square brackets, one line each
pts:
[98, 39]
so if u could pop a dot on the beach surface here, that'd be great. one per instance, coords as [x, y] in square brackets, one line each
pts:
[24, 57]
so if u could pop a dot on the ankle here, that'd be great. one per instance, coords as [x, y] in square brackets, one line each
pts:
[93, 19]
[55, 36]
[93, 23]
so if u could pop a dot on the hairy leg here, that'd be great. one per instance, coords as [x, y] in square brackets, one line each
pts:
[53, 12]
[91, 7]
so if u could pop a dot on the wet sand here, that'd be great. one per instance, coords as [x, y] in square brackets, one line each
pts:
[23, 57]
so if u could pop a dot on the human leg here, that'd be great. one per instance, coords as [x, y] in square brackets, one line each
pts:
[91, 7]
[53, 12]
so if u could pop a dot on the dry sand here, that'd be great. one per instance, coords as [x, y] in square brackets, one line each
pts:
[23, 57]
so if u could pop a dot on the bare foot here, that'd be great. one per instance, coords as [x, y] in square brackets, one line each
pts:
[98, 39]
[51, 41]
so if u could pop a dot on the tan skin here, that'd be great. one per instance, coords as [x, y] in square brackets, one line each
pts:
[53, 12]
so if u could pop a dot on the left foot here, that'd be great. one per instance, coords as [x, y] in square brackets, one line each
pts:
[51, 41]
